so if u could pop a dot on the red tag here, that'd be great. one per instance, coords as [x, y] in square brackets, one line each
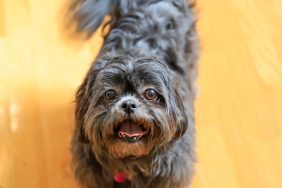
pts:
[120, 177]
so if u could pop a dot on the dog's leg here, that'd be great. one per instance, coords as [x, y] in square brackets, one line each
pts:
[88, 171]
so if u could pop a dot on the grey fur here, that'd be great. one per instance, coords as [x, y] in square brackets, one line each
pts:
[151, 44]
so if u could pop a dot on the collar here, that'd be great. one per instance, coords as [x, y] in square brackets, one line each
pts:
[120, 177]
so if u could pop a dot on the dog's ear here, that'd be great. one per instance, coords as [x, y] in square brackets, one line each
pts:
[82, 105]
[83, 96]
[181, 119]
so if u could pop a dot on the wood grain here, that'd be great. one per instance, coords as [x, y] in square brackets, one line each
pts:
[238, 111]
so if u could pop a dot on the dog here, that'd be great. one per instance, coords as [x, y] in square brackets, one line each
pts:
[135, 108]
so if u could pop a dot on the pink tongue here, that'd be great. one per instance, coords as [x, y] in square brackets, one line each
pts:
[130, 130]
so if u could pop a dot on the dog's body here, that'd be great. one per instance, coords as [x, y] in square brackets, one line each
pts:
[134, 110]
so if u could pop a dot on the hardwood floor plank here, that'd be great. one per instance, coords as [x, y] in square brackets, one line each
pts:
[238, 111]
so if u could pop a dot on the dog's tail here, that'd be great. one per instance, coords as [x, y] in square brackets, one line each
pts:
[87, 15]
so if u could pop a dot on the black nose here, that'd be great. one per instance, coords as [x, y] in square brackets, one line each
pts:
[129, 106]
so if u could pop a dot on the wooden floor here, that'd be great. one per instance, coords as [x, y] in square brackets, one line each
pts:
[238, 111]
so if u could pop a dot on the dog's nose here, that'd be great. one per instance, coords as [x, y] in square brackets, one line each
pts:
[129, 106]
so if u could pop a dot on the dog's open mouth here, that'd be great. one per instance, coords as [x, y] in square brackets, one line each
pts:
[130, 131]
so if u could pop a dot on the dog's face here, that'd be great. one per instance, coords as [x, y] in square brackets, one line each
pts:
[129, 107]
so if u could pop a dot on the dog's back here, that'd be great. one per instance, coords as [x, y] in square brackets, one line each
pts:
[162, 28]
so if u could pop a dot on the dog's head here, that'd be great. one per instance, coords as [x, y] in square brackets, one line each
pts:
[129, 107]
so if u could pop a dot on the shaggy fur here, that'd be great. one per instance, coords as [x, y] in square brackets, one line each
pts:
[151, 44]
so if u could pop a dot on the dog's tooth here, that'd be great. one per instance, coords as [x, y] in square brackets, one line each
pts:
[121, 135]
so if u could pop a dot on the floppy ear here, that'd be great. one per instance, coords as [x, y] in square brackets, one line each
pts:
[83, 96]
[180, 116]
[82, 105]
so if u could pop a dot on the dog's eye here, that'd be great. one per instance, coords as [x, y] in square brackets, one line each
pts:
[150, 94]
[110, 94]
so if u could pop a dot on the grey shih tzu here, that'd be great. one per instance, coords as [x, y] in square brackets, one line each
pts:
[135, 108]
